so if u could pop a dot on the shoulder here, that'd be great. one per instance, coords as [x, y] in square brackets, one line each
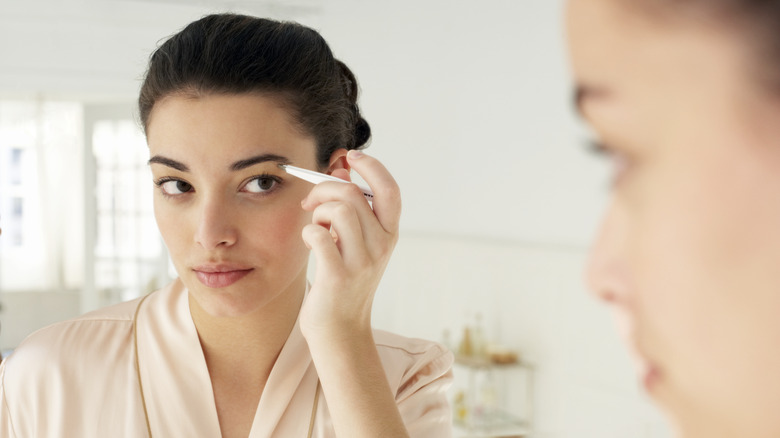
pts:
[71, 367]
[118, 312]
[413, 349]
[80, 331]
[99, 338]
[412, 363]
[95, 337]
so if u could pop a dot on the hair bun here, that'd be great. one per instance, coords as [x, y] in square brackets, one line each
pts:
[362, 132]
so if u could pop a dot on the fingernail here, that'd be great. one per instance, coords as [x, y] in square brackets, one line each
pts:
[354, 154]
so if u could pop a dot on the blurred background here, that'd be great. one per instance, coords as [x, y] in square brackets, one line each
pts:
[470, 108]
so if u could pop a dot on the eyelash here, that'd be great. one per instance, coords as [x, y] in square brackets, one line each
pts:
[159, 183]
[598, 148]
[275, 178]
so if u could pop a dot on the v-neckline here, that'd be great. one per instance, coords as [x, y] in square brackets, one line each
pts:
[178, 394]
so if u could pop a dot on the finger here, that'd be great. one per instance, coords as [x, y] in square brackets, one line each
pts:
[387, 194]
[329, 262]
[344, 222]
[349, 193]
[343, 174]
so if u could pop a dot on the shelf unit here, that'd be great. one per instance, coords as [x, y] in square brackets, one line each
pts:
[492, 400]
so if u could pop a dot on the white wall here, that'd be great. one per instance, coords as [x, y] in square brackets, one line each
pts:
[531, 298]
[25, 312]
[469, 105]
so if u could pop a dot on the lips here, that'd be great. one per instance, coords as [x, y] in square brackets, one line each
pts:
[649, 372]
[650, 377]
[220, 275]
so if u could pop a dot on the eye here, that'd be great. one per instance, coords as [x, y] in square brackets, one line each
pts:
[173, 186]
[262, 184]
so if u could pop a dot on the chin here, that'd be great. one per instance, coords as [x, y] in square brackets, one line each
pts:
[228, 302]
[704, 427]
[226, 309]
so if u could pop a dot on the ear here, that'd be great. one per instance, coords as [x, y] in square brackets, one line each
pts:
[338, 165]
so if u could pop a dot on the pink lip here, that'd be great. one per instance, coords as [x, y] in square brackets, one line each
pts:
[221, 275]
[649, 373]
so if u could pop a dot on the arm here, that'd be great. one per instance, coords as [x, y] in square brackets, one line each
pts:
[352, 243]
[360, 400]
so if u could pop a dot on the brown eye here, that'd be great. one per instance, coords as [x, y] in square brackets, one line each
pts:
[262, 184]
[175, 187]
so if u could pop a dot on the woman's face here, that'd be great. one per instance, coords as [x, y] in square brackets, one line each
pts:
[689, 251]
[230, 217]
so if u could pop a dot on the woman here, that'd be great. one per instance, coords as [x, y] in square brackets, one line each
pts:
[239, 345]
[684, 96]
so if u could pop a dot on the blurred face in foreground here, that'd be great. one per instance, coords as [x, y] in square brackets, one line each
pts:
[689, 251]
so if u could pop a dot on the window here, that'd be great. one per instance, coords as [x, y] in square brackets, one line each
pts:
[40, 155]
[76, 203]
[128, 247]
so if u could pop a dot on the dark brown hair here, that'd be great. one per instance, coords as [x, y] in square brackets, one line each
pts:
[235, 54]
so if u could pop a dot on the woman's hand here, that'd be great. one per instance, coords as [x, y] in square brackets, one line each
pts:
[352, 244]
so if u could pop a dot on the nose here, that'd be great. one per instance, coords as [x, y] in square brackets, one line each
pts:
[216, 225]
[607, 273]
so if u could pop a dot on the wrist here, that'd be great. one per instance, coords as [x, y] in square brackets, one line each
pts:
[339, 340]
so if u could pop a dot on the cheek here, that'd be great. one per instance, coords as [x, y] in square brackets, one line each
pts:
[276, 232]
[703, 250]
[172, 225]
[710, 288]
[677, 247]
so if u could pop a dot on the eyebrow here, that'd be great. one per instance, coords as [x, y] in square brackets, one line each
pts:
[238, 165]
[243, 164]
[169, 162]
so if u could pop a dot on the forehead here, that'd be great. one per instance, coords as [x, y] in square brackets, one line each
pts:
[221, 128]
[615, 44]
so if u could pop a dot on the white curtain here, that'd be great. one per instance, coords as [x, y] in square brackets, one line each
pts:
[42, 195]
